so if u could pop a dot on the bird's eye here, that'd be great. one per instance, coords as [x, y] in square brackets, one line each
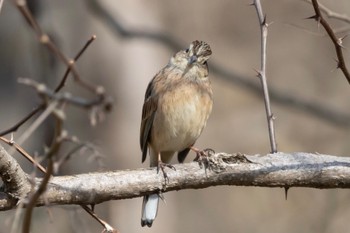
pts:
[187, 50]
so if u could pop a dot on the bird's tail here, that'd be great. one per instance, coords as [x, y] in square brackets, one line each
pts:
[149, 209]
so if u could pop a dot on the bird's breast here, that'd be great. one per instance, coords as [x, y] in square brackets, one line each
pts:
[181, 115]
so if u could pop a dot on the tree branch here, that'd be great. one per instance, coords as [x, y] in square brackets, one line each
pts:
[262, 75]
[16, 182]
[331, 14]
[273, 170]
[336, 41]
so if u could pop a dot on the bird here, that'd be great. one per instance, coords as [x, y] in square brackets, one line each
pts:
[177, 105]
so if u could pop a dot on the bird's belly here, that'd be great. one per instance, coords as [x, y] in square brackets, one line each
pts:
[177, 125]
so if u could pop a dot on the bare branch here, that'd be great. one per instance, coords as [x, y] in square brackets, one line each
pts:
[45, 40]
[69, 68]
[332, 14]
[70, 64]
[43, 90]
[24, 153]
[273, 170]
[24, 120]
[262, 76]
[51, 107]
[336, 41]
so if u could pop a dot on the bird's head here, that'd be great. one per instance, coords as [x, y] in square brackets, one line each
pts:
[197, 54]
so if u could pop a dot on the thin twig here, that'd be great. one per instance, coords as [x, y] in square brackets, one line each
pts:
[262, 76]
[69, 68]
[45, 40]
[24, 153]
[107, 227]
[55, 146]
[24, 120]
[57, 89]
[42, 89]
[33, 199]
[336, 41]
[51, 107]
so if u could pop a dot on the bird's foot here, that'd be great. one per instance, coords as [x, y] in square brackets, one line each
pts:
[161, 166]
[202, 156]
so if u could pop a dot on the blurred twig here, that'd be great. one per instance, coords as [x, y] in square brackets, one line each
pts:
[69, 68]
[326, 113]
[55, 146]
[1, 3]
[336, 41]
[262, 75]
[24, 153]
[66, 97]
[15, 127]
[45, 40]
[50, 107]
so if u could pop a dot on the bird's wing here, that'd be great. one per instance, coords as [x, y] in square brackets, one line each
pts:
[148, 111]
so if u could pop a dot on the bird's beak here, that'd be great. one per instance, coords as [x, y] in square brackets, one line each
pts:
[192, 59]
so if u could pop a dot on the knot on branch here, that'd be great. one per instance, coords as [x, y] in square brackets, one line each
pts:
[220, 161]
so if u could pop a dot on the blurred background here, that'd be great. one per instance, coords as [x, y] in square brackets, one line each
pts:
[300, 63]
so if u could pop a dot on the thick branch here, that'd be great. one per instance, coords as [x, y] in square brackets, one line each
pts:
[273, 170]
[15, 179]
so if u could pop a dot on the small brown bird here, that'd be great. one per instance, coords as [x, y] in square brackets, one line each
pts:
[178, 102]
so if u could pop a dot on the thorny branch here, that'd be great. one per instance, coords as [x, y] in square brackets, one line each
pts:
[262, 75]
[336, 41]
[331, 14]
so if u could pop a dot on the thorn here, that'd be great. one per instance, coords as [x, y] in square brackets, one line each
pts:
[252, 3]
[269, 24]
[258, 73]
[340, 42]
[286, 192]
[12, 140]
[272, 117]
[315, 17]
[264, 21]
[338, 65]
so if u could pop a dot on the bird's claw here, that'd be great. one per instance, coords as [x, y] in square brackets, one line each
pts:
[161, 166]
[202, 157]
